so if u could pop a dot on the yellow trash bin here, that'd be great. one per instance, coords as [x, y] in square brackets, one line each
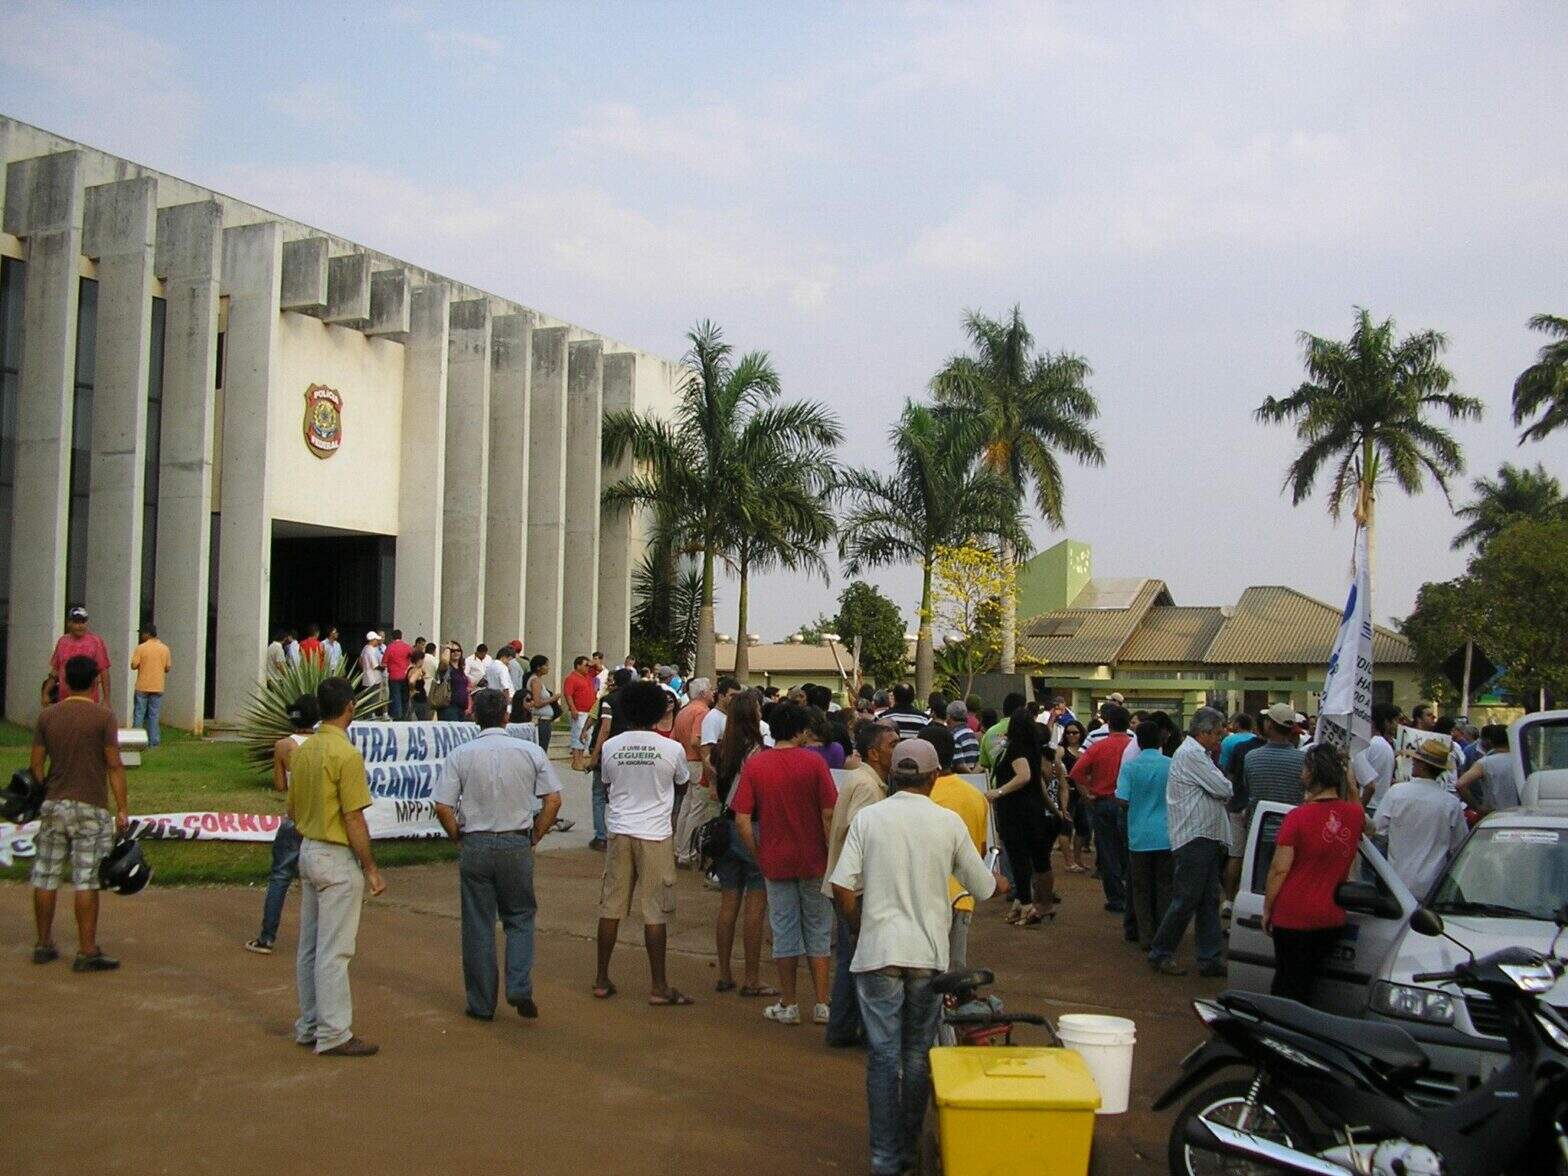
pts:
[1013, 1110]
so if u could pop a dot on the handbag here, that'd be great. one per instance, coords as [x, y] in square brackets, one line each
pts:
[710, 841]
[441, 692]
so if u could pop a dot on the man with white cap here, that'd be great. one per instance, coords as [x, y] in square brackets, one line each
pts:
[1423, 821]
[370, 674]
[1273, 771]
[891, 885]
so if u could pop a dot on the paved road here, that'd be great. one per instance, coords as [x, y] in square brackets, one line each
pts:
[182, 1061]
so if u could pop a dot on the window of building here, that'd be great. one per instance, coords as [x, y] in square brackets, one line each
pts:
[11, 274]
[150, 477]
[1382, 692]
[81, 445]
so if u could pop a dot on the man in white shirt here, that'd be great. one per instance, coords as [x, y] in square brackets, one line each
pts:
[1374, 765]
[370, 669]
[640, 770]
[1494, 771]
[1423, 821]
[475, 665]
[498, 672]
[714, 721]
[890, 884]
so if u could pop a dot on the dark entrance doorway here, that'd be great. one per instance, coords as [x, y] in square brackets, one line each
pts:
[329, 577]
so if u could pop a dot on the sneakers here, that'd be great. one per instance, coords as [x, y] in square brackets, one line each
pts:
[354, 1047]
[526, 1008]
[597, 843]
[97, 962]
[784, 1014]
[820, 1014]
[259, 946]
[1167, 967]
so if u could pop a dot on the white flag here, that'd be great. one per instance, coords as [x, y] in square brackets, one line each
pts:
[1345, 707]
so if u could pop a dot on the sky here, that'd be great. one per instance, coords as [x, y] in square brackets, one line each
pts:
[1173, 191]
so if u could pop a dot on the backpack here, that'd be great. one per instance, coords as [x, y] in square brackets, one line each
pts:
[710, 841]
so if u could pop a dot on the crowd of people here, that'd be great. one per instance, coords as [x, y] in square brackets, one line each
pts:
[870, 880]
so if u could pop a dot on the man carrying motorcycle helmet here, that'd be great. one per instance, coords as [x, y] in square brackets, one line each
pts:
[78, 740]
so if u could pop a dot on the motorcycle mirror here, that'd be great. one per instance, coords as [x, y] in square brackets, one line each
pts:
[1429, 922]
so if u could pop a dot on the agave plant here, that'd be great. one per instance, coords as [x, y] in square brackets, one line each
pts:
[265, 720]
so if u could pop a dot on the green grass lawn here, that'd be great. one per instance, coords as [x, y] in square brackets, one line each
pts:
[195, 775]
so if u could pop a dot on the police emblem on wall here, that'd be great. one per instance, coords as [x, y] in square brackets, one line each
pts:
[323, 420]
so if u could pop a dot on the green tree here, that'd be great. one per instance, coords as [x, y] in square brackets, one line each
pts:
[972, 586]
[1520, 600]
[1363, 411]
[1543, 386]
[935, 497]
[812, 631]
[865, 613]
[695, 471]
[1517, 493]
[1015, 410]
[1442, 621]
[667, 599]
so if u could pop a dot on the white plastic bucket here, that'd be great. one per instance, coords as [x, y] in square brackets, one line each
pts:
[1105, 1044]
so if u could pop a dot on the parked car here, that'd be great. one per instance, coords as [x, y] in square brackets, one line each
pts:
[1504, 887]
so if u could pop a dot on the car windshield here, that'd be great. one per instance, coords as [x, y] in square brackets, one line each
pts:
[1507, 873]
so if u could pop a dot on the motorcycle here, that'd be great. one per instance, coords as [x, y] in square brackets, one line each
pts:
[1356, 1079]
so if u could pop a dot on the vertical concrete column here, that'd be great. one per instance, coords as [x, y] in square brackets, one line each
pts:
[252, 276]
[118, 231]
[417, 577]
[189, 259]
[584, 433]
[506, 524]
[546, 490]
[468, 464]
[43, 203]
[613, 635]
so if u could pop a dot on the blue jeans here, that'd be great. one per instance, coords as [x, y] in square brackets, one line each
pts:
[397, 707]
[1195, 895]
[600, 800]
[545, 727]
[1106, 814]
[496, 879]
[844, 1024]
[285, 868]
[900, 1013]
[144, 713]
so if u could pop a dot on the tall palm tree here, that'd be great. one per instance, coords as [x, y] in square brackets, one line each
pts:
[1517, 493]
[1363, 411]
[781, 519]
[692, 470]
[1543, 386]
[936, 496]
[1016, 410]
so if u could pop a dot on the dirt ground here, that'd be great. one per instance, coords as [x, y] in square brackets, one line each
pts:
[183, 1062]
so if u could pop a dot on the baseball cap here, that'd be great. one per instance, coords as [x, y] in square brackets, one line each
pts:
[372, 636]
[77, 614]
[1284, 714]
[913, 758]
[517, 646]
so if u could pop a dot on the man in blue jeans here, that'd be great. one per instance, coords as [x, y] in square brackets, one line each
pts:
[890, 885]
[508, 795]
[303, 714]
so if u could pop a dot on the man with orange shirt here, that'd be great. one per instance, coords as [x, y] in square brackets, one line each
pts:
[1094, 775]
[699, 804]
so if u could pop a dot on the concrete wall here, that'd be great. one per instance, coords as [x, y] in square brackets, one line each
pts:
[354, 488]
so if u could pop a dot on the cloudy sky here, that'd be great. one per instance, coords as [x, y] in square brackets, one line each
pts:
[1173, 190]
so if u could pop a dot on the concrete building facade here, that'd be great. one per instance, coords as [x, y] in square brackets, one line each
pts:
[225, 421]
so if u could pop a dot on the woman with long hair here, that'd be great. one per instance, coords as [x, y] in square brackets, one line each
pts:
[456, 680]
[1073, 735]
[542, 701]
[740, 879]
[1314, 852]
[1023, 820]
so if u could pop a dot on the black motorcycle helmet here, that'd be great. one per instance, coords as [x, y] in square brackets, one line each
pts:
[125, 870]
[22, 798]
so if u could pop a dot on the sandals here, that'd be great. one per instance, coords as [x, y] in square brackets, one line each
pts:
[603, 991]
[672, 998]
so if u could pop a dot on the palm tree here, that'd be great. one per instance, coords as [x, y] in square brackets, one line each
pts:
[695, 471]
[1015, 410]
[781, 520]
[1363, 411]
[936, 496]
[1543, 386]
[1518, 493]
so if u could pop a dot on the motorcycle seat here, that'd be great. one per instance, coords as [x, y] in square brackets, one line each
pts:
[961, 980]
[1389, 1047]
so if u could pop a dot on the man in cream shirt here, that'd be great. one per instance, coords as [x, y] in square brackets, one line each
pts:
[890, 884]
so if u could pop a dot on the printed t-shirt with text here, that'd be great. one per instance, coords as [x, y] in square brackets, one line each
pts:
[641, 770]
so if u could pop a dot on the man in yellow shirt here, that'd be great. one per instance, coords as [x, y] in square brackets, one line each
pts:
[328, 796]
[151, 662]
[974, 810]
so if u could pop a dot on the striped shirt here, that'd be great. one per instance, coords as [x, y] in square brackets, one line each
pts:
[1195, 796]
[1273, 772]
[966, 750]
[908, 723]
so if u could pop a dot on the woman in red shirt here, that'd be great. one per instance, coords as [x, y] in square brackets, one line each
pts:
[1314, 851]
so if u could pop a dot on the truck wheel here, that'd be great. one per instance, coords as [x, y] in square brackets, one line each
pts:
[1272, 1117]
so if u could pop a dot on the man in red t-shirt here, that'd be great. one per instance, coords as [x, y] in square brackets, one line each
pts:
[580, 694]
[788, 792]
[310, 648]
[79, 641]
[395, 661]
[1095, 776]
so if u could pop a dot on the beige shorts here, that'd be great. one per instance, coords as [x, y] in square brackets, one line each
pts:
[1238, 834]
[631, 863]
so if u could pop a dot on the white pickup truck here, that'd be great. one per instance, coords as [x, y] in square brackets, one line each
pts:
[1504, 886]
